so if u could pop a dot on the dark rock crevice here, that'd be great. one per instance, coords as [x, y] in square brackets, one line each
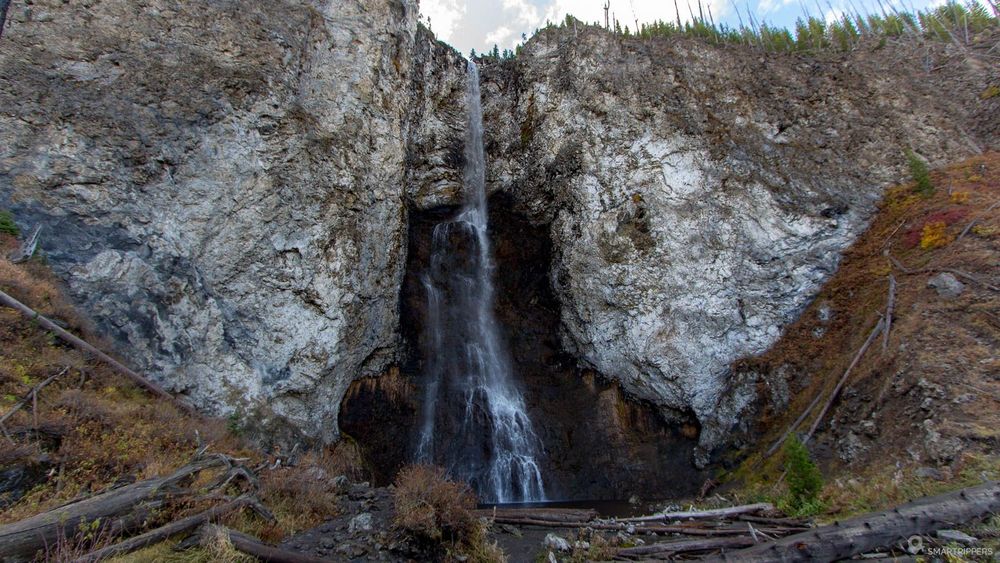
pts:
[599, 443]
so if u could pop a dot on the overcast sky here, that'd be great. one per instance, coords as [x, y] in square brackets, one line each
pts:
[479, 24]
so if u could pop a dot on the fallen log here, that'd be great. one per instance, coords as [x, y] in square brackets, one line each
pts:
[253, 546]
[670, 549]
[952, 271]
[865, 533]
[843, 379]
[787, 522]
[27, 250]
[118, 510]
[700, 514]
[174, 528]
[86, 347]
[543, 514]
[888, 312]
[639, 528]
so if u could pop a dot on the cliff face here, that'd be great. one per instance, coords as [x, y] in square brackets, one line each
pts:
[222, 184]
[225, 186]
[699, 196]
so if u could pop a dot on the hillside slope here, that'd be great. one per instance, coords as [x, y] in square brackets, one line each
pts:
[923, 413]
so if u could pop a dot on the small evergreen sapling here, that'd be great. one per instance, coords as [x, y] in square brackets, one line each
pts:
[804, 478]
[7, 224]
[921, 176]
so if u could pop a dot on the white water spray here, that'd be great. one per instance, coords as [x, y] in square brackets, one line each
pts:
[470, 389]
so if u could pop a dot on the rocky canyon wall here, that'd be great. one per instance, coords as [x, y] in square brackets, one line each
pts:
[222, 183]
[698, 196]
[225, 186]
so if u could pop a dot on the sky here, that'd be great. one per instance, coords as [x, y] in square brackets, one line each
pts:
[479, 24]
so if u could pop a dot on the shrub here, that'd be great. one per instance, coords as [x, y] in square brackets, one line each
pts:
[921, 176]
[804, 478]
[7, 224]
[934, 235]
[430, 506]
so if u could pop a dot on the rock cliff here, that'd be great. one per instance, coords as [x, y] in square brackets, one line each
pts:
[225, 186]
[699, 196]
[222, 183]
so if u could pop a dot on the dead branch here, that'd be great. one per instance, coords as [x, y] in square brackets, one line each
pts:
[861, 534]
[670, 549]
[791, 428]
[538, 514]
[888, 312]
[253, 546]
[958, 273]
[32, 393]
[81, 345]
[843, 379]
[972, 223]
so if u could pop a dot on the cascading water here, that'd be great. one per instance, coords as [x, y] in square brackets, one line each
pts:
[490, 441]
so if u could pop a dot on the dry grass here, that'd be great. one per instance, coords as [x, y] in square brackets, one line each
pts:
[93, 430]
[940, 365]
[431, 506]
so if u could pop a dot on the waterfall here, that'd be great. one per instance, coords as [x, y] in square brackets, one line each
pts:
[474, 418]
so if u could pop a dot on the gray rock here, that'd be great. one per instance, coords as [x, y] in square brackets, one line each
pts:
[340, 481]
[363, 522]
[947, 285]
[956, 536]
[930, 473]
[556, 543]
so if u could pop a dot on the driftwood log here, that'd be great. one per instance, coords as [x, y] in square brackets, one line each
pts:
[253, 546]
[703, 514]
[118, 510]
[84, 346]
[861, 534]
[547, 515]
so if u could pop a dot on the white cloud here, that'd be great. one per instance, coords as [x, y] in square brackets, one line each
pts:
[768, 6]
[499, 36]
[833, 14]
[444, 16]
